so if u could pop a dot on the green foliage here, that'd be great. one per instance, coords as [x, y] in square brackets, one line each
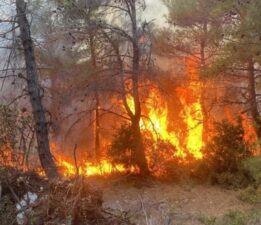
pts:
[242, 38]
[225, 154]
[230, 180]
[160, 154]
[207, 220]
[251, 195]
[252, 166]
[234, 218]
[228, 148]
[187, 13]
[161, 158]
[122, 147]
[218, 67]
[196, 24]
[183, 12]
[240, 218]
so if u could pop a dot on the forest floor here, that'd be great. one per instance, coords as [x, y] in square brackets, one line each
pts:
[159, 203]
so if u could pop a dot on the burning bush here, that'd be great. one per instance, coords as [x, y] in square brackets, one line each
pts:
[228, 147]
[160, 154]
[122, 147]
[163, 160]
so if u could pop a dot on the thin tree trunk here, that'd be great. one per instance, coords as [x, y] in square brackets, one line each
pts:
[97, 126]
[139, 146]
[34, 91]
[203, 45]
[139, 151]
[252, 96]
[97, 99]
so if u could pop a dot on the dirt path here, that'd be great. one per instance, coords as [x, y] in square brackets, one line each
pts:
[171, 204]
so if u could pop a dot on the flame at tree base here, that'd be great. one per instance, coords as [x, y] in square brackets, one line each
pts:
[157, 118]
[186, 141]
[89, 169]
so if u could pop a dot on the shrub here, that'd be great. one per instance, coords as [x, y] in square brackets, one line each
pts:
[252, 166]
[160, 154]
[122, 147]
[161, 158]
[207, 220]
[234, 218]
[251, 195]
[225, 154]
[251, 217]
[228, 147]
[230, 180]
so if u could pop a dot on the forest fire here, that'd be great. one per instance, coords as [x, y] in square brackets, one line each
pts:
[118, 112]
[86, 168]
[192, 114]
[155, 121]
[156, 116]
[89, 169]
[250, 134]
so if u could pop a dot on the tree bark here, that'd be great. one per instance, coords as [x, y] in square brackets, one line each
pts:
[203, 45]
[252, 97]
[139, 150]
[97, 99]
[34, 91]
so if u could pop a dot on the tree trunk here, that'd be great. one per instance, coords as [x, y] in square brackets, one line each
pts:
[139, 146]
[205, 121]
[97, 126]
[139, 153]
[97, 99]
[34, 91]
[252, 97]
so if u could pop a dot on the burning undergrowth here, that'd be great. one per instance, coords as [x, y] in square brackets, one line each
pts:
[176, 136]
[171, 144]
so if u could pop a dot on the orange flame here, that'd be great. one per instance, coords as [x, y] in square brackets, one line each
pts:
[88, 169]
[157, 116]
[192, 114]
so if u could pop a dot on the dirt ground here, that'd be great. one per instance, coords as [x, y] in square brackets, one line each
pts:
[171, 204]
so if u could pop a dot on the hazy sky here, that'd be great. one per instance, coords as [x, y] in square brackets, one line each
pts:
[155, 10]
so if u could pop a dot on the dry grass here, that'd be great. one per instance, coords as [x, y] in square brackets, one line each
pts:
[171, 204]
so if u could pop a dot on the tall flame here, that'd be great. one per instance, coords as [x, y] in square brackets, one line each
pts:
[192, 113]
[156, 110]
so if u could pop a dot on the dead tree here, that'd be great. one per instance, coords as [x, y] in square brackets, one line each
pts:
[34, 91]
